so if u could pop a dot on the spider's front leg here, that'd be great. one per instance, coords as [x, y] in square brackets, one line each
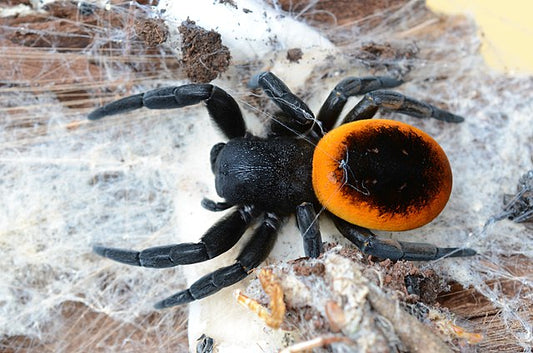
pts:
[370, 244]
[253, 253]
[221, 106]
[301, 118]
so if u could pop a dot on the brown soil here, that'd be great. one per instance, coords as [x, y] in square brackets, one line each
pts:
[204, 56]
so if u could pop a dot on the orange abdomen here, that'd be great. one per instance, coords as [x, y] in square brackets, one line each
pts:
[381, 174]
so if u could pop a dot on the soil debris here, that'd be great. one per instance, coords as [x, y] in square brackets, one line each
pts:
[294, 55]
[204, 55]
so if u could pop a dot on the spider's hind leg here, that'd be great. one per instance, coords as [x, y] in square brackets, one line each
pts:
[253, 253]
[349, 87]
[307, 221]
[217, 240]
[397, 102]
[221, 106]
[369, 244]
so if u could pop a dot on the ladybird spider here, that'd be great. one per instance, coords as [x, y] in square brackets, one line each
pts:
[377, 174]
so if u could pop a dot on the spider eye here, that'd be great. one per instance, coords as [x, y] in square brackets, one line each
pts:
[381, 174]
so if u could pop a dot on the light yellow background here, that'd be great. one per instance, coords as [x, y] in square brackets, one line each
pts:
[506, 29]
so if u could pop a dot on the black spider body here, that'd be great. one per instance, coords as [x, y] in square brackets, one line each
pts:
[366, 173]
[273, 174]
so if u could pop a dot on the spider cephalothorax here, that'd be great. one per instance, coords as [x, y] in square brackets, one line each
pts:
[367, 173]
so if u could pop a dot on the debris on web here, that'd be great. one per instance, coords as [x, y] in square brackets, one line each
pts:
[204, 55]
[519, 207]
[345, 300]
[272, 287]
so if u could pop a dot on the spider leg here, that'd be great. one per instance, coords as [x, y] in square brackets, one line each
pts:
[217, 240]
[214, 206]
[253, 253]
[370, 244]
[349, 87]
[301, 117]
[307, 221]
[395, 101]
[221, 106]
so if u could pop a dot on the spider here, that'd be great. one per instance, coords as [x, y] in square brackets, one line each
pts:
[365, 174]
